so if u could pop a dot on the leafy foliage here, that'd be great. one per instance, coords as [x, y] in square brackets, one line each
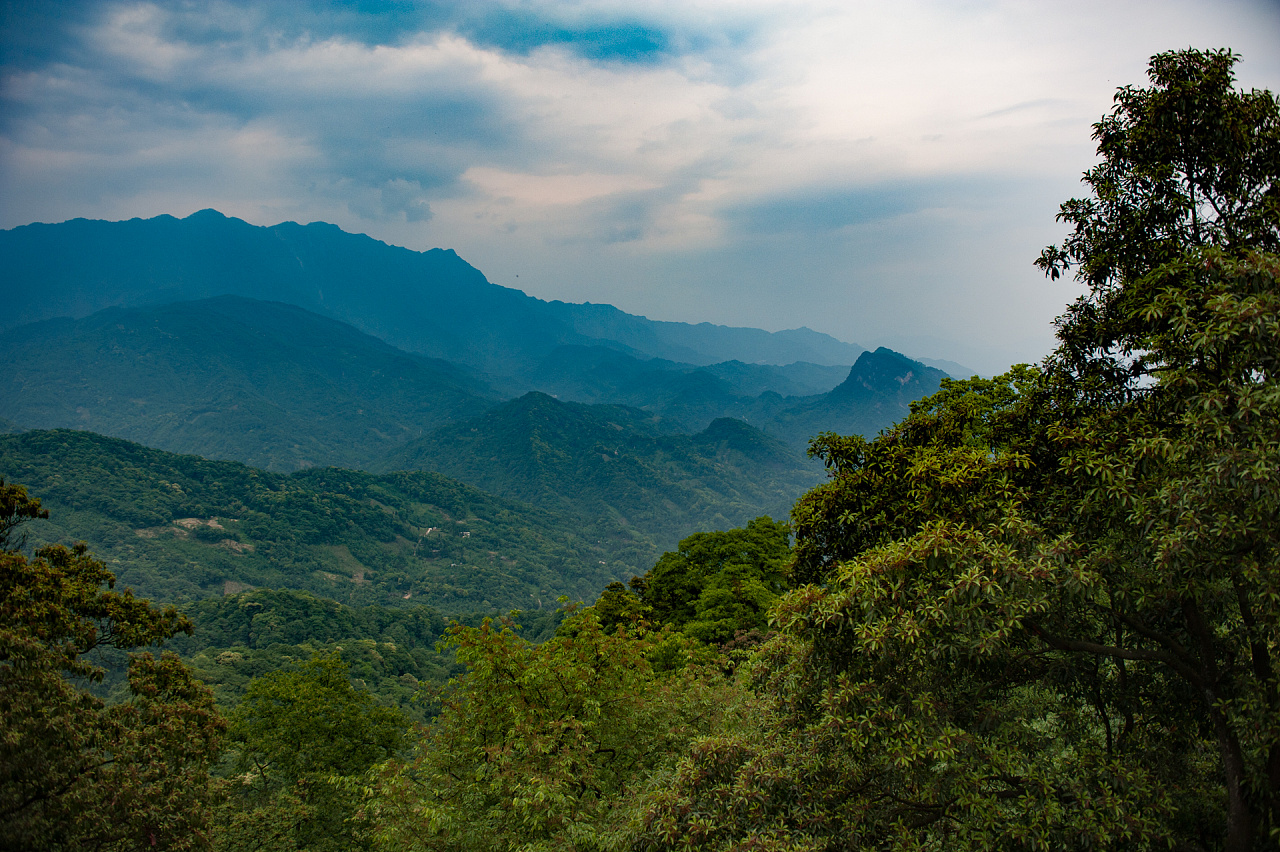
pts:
[1042, 611]
[542, 747]
[16, 508]
[74, 772]
[295, 735]
[390, 651]
[718, 584]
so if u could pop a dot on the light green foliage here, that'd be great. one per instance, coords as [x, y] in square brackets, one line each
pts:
[1044, 610]
[539, 747]
[295, 735]
[73, 772]
[719, 583]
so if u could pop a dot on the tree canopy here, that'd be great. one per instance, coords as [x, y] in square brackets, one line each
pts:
[296, 734]
[1044, 610]
[75, 773]
[543, 747]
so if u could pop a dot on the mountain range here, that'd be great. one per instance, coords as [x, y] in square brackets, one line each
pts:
[180, 527]
[308, 351]
[265, 383]
[431, 303]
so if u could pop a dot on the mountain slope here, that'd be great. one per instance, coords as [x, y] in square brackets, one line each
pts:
[431, 303]
[177, 527]
[612, 462]
[265, 383]
[878, 392]
[597, 374]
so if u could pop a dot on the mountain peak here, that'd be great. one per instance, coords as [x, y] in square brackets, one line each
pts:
[208, 214]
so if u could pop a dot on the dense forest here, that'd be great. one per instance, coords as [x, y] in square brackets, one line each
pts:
[1040, 612]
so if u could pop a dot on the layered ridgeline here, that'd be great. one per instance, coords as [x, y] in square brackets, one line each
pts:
[613, 464]
[608, 496]
[877, 391]
[431, 303]
[265, 383]
[175, 527]
[279, 387]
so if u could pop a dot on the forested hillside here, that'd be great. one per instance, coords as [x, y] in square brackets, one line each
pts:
[611, 464]
[264, 383]
[178, 528]
[279, 387]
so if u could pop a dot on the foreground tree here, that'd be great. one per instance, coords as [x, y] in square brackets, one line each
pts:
[300, 737]
[1044, 611]
[542, 747]
[717, 584]
[75, 773]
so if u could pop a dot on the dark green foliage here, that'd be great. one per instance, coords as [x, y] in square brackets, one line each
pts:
[390, 651]
[619, 606]
[718, 584]
[399, 539]
[73, 772]
[16, 508]
[879, 491]
[1188, 163]
[264, 383]
[295, 735]
[1042, 612]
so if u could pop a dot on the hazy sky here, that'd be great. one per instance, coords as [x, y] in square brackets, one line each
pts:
[883, 172]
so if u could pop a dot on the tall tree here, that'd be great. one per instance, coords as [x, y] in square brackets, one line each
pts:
[297, 734]
[1044, 610]
[716, 584]
[75, 773]
[540, 747]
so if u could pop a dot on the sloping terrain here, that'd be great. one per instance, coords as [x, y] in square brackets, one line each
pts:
[878, 392]
[617, 463]
[431, 303]
[265, 383]
[176, 527]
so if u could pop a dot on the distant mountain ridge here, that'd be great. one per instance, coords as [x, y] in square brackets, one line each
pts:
[282, 388]
[875, 392]
[431, 303]
[615, 463]
[264, 383]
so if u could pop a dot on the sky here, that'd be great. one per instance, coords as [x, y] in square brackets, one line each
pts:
[882, 172]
